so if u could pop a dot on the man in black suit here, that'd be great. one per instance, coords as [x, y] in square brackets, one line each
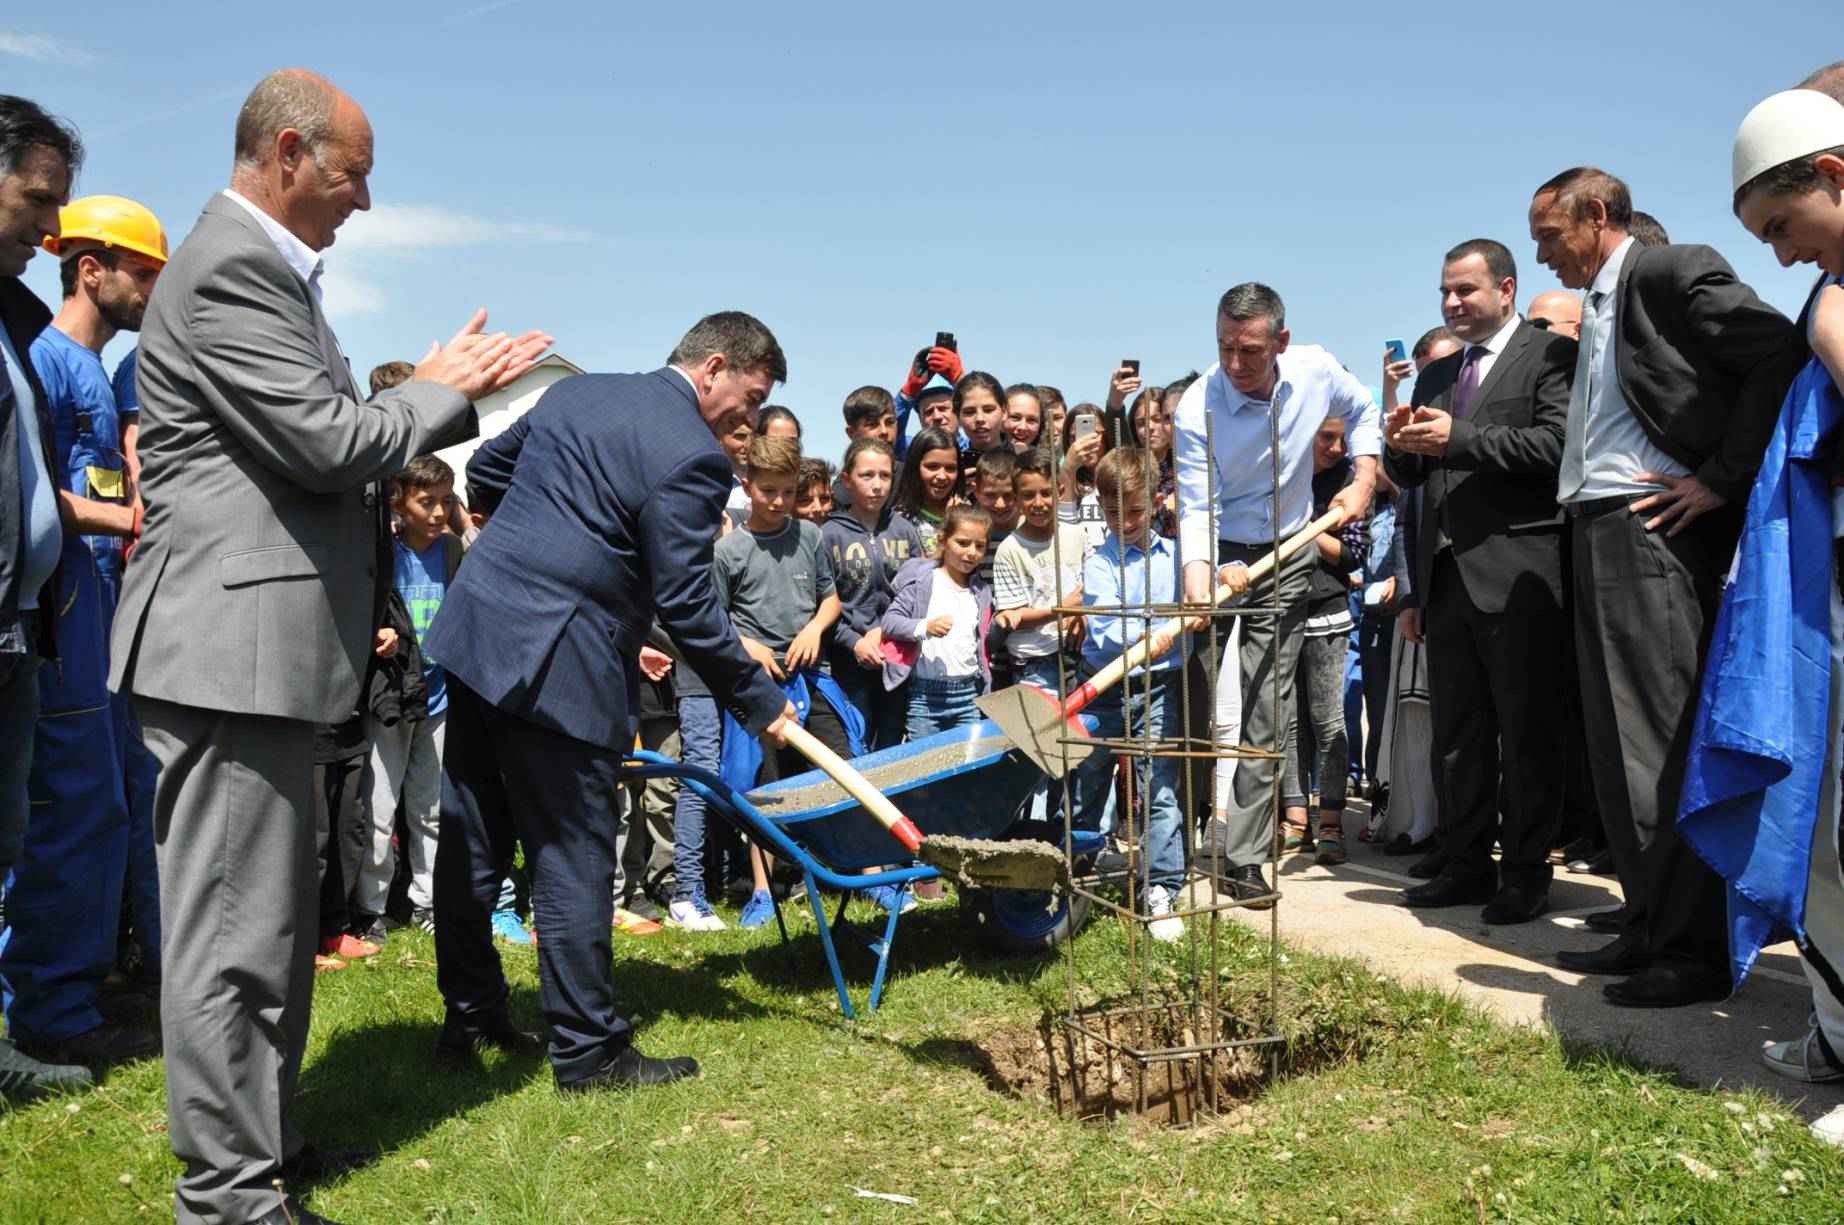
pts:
[1483, 438]
[1678, 382]
[606, 499]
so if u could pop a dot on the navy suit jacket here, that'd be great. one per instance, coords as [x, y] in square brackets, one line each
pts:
[606, 500]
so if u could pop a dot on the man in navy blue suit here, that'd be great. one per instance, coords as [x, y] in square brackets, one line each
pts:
[605, 500]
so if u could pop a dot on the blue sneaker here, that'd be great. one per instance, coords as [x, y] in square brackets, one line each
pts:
[507, 927]
[892, 897]
[759, 911]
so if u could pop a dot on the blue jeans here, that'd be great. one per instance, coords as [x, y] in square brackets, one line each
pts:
[699, 728]
[883, 709]
[938, 705]
[1135, 713]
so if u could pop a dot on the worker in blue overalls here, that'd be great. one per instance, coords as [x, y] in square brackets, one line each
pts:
[64, 906]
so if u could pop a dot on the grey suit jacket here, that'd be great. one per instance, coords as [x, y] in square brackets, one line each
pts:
[252, 588]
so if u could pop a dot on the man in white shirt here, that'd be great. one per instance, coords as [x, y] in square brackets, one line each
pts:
[1230, 511]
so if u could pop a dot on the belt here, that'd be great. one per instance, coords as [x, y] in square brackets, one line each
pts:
[1598, 506]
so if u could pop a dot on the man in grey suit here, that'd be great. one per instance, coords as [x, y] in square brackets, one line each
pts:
[248, 613]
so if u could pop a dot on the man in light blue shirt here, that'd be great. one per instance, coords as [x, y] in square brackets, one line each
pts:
[1231, 506]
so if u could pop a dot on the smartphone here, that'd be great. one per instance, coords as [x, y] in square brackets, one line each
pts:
[1395, 351]
[1085, 424]
[1132, 363]
[945, 340]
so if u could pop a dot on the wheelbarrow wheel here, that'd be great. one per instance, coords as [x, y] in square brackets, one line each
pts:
[1026, 923]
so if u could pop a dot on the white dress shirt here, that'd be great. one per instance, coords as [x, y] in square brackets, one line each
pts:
[298, 255]
[1238, 479]
[1612, 447]
[1493, 346]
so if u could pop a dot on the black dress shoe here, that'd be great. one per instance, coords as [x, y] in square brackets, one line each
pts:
[316, 1164]
[290, 1212]
[1247, 882]
[1449, 890]
[1429, 866]
[1607, 922]
[633, 1070]
[1667, 985]
[1401, 845]
[1627, 955]
[462, 1038]
[99, 1048]
[1515, 904]
[1580, 848]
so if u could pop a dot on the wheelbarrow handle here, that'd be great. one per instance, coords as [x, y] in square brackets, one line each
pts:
[843, 773]
[1137, 654]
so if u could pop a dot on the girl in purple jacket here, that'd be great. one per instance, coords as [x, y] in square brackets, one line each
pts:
[935, 630]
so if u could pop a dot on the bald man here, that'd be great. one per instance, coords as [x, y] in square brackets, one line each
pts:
[250, 611]
[1558, 310]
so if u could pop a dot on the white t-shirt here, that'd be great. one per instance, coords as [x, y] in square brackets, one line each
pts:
[955, 654]
[1024, 576]
[1085, 514]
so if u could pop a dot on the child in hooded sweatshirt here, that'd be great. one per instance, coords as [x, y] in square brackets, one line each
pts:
[868, 543]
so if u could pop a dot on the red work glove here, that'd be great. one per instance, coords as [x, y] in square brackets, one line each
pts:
[930, 362]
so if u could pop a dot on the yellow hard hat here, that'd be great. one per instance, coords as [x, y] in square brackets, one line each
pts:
[114, 222]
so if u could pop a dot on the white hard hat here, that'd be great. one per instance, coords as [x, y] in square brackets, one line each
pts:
[1785, 127]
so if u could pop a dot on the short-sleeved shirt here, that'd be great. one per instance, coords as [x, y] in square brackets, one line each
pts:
[422, 581]
[771, 585]
[1024, 575]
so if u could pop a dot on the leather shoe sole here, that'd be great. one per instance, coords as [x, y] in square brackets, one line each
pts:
[633, 1070]
[1624, 956]
[1667, 987]
[1429, 866]
[316, 1164]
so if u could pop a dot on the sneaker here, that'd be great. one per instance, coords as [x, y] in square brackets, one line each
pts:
[507, 927]
[760, 910]
[371, 928]
[1802, 1059]
[23, 1078]
[1331, 847]
[630, 924]
[324, 964]
[347, 946]
[892, 898]
[640, 904]
[694, 914]
[422, 919]
[1164, 927]
[1292, 836]
[101, 1047]
[1829, 1127]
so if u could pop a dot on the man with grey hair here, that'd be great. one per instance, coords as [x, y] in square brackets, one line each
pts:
[257, 454]
[39, 156]
[1229, 510]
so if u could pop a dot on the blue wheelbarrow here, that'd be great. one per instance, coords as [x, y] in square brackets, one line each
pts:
[969, 783]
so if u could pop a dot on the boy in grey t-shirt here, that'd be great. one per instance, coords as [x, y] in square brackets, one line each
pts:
[775, 582]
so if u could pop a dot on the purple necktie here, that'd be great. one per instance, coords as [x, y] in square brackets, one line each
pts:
[1468, 385]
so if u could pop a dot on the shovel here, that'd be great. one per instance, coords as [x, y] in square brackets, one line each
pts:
[981, 863]
[1036, 721]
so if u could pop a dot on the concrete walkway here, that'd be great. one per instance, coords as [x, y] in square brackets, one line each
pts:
[1353, 910]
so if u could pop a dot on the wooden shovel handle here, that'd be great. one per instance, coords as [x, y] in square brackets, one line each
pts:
[856, 785]
[1136, 654]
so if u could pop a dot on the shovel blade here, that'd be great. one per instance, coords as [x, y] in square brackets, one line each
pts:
[1033, 719]
[985, 863]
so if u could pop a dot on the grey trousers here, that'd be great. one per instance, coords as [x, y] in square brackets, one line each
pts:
[234, 827]
[644, 843]
[1269, 645]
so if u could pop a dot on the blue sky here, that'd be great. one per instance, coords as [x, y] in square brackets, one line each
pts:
[1061, 186]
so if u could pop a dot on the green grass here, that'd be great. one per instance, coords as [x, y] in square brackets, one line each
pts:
[1422, 1110]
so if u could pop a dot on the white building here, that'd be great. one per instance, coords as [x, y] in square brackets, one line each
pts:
[505, 406]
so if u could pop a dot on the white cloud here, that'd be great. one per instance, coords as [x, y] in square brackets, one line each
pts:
[42, 49]
[344, 295]
[415, 227]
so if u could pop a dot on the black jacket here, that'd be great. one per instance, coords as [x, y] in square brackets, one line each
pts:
[1703, 362]
[395, 689]
[1329, 584]
[24, 317]
[1494, 491]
